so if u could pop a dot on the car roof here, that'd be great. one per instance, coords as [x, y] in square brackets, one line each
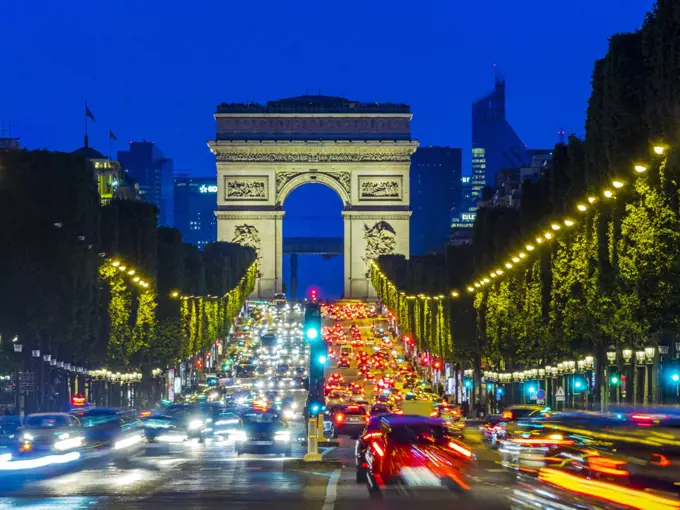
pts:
[411, 419]
[44, 415]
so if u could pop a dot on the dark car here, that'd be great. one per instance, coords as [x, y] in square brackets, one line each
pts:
[111, 427]
[262, 432]
[163, 428]
[417, 451]
[371, 431]
[380, 409]
[349, 421]
[343, 362]
[9, 426]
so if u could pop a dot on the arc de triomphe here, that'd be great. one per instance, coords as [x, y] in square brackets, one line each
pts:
[360, 150]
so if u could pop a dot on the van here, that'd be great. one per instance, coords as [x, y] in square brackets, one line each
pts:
[346, 350]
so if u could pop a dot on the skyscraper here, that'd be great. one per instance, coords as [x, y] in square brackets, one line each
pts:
[435, 190]
[152, 171]
[463, 216]
[195, 209]
[495, 145]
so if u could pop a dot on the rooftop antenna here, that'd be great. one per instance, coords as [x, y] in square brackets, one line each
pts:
[560, 133]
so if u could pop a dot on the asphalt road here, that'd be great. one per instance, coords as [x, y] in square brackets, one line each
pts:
[193, 475]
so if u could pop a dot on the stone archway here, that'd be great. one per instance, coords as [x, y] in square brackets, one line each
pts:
[360, 151]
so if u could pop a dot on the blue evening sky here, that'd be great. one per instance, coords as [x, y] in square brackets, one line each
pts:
[156, 69]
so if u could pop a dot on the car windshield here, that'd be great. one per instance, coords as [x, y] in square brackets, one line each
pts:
[252, 418]
[417, 432]
[44, 422]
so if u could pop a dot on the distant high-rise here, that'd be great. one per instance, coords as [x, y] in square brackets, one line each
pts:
[195, 209]
[152, 171]
[463, 217]
[495, 145]
[435, 190]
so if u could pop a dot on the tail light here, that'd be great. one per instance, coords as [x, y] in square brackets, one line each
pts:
[507, 415]
[339, 417]
[378, 449]
[145, 414]
[460, 449]
[607, 466]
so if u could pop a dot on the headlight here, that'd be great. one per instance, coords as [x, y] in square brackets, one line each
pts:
[28, 437]
[293, 405]
[282, 436]
[259, 384]
[288, 414]
[65, 444]
[238, 435]
[195, 424]
[231, 421]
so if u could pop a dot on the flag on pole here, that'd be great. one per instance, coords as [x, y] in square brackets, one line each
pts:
[88, 113]
[112, 136]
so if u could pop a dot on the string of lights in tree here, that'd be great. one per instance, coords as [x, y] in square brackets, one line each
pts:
[131, 272]
[375, 267]
[555, 229]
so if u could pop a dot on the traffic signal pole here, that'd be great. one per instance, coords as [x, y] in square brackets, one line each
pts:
[318, 357]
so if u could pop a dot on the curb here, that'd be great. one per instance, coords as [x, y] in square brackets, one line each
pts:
[324, 444]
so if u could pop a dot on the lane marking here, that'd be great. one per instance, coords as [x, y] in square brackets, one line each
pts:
[327, 450]
[331, 491]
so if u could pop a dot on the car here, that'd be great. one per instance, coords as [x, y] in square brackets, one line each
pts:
[495, 429]
[50, 432]
[337, 397]
[380, 410]
[262, 432]
[349, 421]
[419, 452]
[451, 416]
[363, 441]
[111, 427]
[343, 363]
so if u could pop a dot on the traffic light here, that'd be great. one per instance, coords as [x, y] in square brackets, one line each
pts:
[614, 379]
[675, 377]
[313, 295]
[467, 383]
[437, 364]
[425, 360]
[312, 326]
[579, 385]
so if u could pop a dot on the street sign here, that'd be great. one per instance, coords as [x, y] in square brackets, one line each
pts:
[26, 382]
[540, 394]
[559, 394]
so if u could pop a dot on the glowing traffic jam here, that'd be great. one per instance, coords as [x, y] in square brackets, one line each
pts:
[378, 409]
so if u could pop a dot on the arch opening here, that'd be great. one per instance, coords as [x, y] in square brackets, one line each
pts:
[313, 231]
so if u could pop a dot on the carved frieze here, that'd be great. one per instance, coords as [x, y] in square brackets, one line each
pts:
[381, 239]
[315, 157]
[246, 188]
[248, 235]
[380, 188]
